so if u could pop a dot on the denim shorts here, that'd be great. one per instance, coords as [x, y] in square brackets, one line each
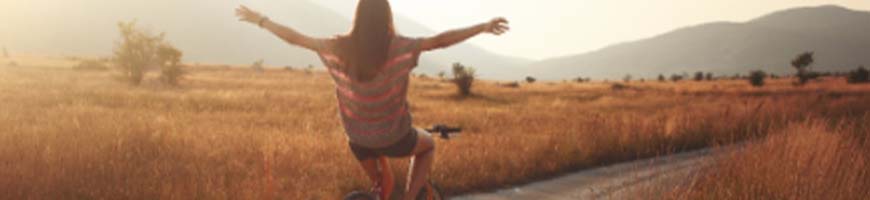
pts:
[403, 148]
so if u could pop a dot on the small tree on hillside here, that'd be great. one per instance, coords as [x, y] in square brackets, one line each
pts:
[463, 77]
[802, 63]
[136, 51]
[756, 78]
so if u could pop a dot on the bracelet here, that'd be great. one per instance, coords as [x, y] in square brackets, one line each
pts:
[260, 23]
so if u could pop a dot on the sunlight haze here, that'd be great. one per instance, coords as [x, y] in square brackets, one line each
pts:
[551, 28]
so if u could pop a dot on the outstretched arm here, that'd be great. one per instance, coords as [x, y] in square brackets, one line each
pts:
[496, 26]
[285, 33]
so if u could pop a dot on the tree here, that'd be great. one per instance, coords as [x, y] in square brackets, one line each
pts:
[756, 78]
[802, 62]
[170, 64]
[627, 78]
[463, 77]
[5, 53]
[860, 75]
[662, 78]
[699, 76]
[709, 76]
[136, 51]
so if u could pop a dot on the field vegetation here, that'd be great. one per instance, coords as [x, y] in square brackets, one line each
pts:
[235, 133]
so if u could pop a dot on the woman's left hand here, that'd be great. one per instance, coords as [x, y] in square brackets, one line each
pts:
[497, 26]
[247, 15]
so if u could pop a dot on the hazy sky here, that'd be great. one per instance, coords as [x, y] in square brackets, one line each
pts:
[577, 26]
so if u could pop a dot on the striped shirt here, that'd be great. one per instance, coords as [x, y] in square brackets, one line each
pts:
[375, 113]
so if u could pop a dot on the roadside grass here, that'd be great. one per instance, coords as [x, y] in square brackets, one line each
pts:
[814, 159]
[230, 133]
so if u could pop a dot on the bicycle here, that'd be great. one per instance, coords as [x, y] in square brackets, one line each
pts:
[384, 189]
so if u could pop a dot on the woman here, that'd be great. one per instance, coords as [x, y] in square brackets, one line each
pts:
[371, 67]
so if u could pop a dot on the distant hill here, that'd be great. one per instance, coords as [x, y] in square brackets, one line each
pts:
[207, 31]
[839, 36]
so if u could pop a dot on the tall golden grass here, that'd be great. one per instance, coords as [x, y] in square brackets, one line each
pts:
[237, 134]
[810, 160]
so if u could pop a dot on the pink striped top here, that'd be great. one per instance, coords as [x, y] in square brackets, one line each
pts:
[375, 113]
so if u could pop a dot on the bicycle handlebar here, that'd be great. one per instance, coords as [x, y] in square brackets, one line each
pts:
[444, 131]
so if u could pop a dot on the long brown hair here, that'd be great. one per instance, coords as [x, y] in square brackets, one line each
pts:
[367, 47]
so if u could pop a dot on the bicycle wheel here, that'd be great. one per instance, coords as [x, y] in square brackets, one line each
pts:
[430, 192]
[357, 195]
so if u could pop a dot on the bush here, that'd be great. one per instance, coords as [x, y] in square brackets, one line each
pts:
[676, 78]
[618, 86]
[91, 64]
[756, 78]
[699, 76]
[860, 75]
[258, 66]
[463, 77]
[662, 78]
[12, 64]
[530, 79]
[627, 78]
[511, 85]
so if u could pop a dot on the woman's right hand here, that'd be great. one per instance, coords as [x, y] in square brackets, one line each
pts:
[497, 26]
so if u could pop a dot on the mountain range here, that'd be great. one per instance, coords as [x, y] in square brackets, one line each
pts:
[840, 38]
[208, 32]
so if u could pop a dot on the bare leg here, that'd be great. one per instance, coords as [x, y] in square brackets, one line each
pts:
[421, 164]
[371, 168]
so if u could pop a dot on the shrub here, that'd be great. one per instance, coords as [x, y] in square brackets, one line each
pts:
[662, 78]
[699, 76]
[709, 76]
[756, 78]
[530, 79]
[12, 64]
[136, 50]
[676, 78]
[463, 77]
[91, 64]
[441, 75]
[258, 66]
[171, 70]
[288, 68]
[5, 53]
[618, 86]
[511, 85]
[627, 78]
[860, 75]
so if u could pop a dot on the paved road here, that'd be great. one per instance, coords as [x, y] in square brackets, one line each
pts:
[611, 182]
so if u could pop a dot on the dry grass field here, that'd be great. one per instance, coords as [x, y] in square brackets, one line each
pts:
[808, 160]
[231, 133]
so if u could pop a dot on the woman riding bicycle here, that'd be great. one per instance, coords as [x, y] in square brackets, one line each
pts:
[371, 68]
